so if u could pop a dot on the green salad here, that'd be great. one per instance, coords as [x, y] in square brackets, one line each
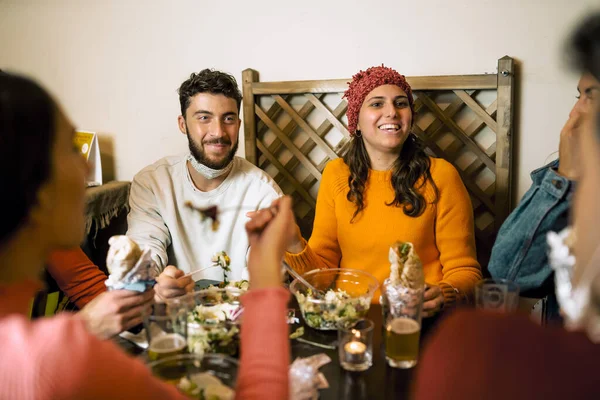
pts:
[216, 294]
[211, 329]
[336, 309]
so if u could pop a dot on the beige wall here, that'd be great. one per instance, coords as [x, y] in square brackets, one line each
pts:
[116, 64]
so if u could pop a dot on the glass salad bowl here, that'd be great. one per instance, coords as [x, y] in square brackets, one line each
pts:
[213, 320]
[344, 298]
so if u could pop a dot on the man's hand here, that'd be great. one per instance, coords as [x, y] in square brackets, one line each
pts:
[170, 284]
[110, 313]
[433, 300]
[270, 232]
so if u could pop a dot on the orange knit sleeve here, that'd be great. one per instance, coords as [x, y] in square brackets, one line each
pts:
[454, 234]
[76, 275]
[323, 249]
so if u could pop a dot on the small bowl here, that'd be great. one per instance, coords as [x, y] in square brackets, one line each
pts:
[213, 320]
[348, 295]
[182, 369]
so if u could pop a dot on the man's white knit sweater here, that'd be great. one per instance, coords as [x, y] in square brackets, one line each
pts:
[159, 218]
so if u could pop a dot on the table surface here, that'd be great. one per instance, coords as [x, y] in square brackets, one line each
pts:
[378, 382]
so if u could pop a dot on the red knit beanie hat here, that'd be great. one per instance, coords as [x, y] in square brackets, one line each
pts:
[364, 82]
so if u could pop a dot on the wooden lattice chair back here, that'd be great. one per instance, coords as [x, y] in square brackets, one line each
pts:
[292, 129]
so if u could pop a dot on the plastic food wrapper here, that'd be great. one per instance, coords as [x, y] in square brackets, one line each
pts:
[562, 262]
[403, 291]
[130, 267]
[580, 305]
[401, 300]
[305, 378]
[406, 268]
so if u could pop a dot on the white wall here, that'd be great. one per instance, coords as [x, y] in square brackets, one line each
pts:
[116, 64]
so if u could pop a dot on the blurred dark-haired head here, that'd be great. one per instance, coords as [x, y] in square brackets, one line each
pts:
[585, 46]
[42, 172]
[584, 49]
[27, 124]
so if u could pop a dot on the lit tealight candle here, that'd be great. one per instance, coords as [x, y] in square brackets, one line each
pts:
[355, 352]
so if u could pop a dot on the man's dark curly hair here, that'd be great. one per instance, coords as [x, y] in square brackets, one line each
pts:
[208, 81]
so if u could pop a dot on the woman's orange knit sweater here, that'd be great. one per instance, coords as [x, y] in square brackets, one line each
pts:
[442, 235]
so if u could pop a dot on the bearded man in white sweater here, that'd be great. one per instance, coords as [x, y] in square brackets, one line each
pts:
[209, 175]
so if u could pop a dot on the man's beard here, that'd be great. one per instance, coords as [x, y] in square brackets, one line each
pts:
[197, 151]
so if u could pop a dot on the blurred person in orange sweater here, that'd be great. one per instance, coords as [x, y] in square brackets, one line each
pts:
[387, 189]
[106, 313]
[57, 358]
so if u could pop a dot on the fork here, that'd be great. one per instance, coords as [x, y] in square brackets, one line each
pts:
[317, 292]
[200, 270]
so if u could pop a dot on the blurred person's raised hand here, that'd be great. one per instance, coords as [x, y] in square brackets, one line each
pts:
[270, 232]
[171, 283]
[568, 147]
[295, 243]
[113, 312]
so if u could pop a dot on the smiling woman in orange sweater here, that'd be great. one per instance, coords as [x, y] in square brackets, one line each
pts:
[386, 189]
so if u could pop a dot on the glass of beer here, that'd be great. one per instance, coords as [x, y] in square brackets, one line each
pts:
[166, 330]
[402, 309]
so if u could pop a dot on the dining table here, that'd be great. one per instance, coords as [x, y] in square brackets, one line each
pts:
[380, 381]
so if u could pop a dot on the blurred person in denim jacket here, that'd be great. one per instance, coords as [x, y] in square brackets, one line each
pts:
[509, 356]
[520, 251]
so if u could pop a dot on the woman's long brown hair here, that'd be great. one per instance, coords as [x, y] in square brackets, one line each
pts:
[410, 174]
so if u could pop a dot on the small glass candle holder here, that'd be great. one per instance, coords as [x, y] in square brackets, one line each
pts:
[355, 346]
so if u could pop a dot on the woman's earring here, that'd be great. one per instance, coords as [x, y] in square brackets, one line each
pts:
[357, 133]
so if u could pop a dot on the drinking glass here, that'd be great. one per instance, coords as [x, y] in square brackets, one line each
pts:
[402, 311]
[498, 295]
[166, 330]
